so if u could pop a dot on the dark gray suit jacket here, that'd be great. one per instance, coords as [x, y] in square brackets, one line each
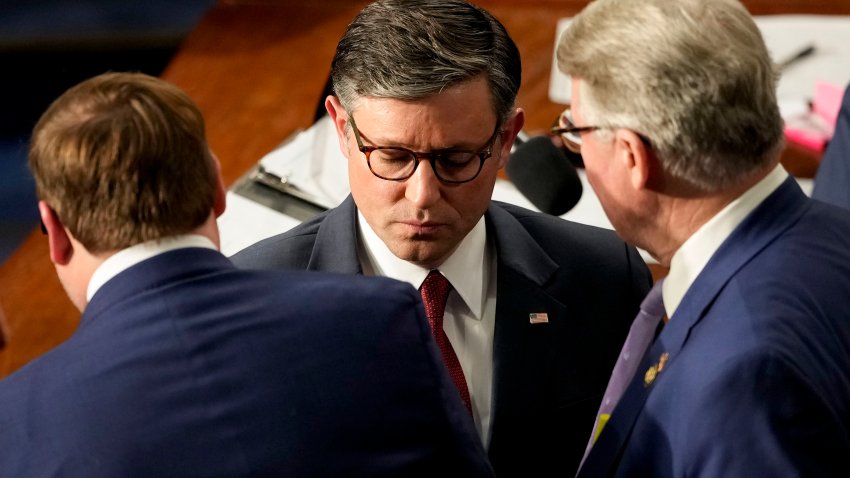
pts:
[548, 378]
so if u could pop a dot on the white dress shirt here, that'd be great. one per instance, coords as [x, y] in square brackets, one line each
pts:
[126, 258]
[470, 309]
[690, 259]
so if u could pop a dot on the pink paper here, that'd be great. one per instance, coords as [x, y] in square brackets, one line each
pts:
[827, 102]
[815, 128]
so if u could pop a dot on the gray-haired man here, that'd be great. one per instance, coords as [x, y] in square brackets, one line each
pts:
[674, 107]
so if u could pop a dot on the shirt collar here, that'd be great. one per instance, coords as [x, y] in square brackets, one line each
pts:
[690, 259]
[464, 268]
[126, 258]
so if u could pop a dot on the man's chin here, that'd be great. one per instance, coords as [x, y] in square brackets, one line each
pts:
[420, 252]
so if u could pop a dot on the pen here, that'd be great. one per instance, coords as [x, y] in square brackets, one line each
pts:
[802, 53]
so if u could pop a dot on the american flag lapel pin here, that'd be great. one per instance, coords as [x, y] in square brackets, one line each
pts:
[538, 318]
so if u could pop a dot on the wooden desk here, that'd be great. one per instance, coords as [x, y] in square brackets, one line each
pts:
[257, 69]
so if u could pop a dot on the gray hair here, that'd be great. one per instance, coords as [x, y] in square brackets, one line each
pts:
[692, 76]
[407, 49]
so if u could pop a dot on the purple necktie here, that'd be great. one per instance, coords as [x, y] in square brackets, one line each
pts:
[435, 291]
[637, 342]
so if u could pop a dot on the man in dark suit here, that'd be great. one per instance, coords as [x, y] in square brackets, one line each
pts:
[184, 365]
[832, 182]
[424, 111]
[674, 111]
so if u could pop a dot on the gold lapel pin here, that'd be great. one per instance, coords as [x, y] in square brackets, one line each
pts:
[653, 371]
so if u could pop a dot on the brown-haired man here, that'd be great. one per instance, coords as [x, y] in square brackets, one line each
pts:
[184, 365]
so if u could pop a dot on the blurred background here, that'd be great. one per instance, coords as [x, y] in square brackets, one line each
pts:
[47, 46]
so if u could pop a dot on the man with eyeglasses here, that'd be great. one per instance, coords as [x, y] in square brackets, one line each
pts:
[529, 310]
[675, 105]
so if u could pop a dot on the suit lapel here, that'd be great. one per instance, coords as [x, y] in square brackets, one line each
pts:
[335, 249]
[767, 222]
[523, 271]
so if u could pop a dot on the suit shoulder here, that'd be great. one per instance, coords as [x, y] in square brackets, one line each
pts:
[317, 286]
[560, 236]
[590, 257]
[536, 221]
[290, 249]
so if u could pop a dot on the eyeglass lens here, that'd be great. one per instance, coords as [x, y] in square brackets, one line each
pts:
[571, 139]
[454, 166]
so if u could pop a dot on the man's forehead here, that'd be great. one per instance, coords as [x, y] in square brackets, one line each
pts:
[473, 92]
[464, 109]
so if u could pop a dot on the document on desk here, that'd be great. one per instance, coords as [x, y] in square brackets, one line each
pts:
[312, 162]
[826, 37]
[245, 222]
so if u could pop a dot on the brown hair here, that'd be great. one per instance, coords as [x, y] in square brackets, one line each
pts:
[122, 158]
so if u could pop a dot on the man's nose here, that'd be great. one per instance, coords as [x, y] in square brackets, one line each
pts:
[423, 188]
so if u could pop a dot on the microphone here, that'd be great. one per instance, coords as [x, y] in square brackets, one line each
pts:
[545, 175]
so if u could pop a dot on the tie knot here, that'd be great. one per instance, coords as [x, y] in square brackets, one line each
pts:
[653, 303]
[435, 290]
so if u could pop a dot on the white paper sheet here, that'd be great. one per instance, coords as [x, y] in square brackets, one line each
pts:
[245, 222]
[312, 162]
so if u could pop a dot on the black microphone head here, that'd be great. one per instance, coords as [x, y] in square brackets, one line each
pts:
[542, 172]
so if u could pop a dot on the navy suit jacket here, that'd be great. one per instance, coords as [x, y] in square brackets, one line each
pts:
[757, 376]
[548, 378]
[185, 366]
[832, 182]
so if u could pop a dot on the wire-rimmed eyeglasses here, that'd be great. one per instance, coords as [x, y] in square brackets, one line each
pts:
[570, 133]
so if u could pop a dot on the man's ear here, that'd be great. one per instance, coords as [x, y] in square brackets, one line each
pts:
[637, 157]
[61, 247]
[220, 202]
[510, 130]
[340, 118]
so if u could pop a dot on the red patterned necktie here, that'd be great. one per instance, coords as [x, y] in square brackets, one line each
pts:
[435, 290]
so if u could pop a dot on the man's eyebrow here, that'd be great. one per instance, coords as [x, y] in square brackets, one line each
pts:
[390, 144]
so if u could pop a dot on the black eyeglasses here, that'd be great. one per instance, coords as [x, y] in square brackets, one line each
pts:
[450, 166]
[570, 133]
